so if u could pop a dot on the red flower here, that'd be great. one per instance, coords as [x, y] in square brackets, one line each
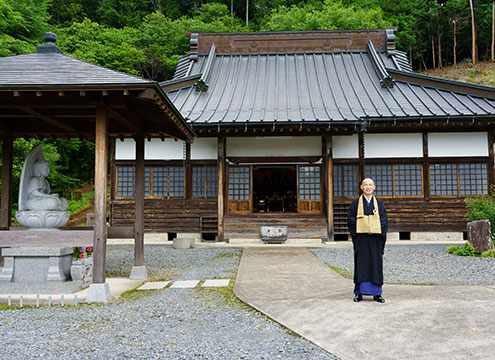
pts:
[89, 248]
[81, 255]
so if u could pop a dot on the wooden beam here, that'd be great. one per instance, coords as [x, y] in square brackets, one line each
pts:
[491, 154]
[121, 119]
[329, 186]
[426, 167]
[139, 202]
[48, 119]
[361, 156]
[221, 190]
[100, 226]
[189, 177]
[6, 201]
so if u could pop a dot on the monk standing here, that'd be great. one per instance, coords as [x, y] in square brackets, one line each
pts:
[367, 222]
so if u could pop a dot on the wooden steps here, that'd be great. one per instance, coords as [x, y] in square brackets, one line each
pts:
[300, 226]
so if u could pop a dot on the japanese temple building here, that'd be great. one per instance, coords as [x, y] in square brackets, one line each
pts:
[288, 123]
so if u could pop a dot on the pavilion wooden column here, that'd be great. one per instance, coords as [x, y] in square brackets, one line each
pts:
[100, 227]
[329, 186]
[6, 202]
[221, 190]
[139, 271]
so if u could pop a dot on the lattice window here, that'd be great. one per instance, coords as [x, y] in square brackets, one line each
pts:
[147, 179]
[239, 183]
[443, 180]
[125, 181]
[383, 176]
[176, 181]
[309, 183]
[345, 180]
[338, 181]
[473, 179]
[408, 180]
[204, 181]
[160, 181]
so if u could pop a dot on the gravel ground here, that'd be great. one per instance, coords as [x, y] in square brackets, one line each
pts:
[419, 264]
[163, 324]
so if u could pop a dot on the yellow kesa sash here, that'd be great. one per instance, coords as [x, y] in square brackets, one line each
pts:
[368, 224]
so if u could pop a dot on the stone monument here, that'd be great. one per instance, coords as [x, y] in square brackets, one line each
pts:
[479, 235]
[38, 207]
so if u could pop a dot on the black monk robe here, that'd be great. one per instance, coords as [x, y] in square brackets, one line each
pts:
[368, 249]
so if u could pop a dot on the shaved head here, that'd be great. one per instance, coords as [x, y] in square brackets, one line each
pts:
[366, 180]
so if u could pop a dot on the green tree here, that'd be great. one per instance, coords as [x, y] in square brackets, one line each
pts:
[329, 15]
[22, 24]
[102, 45]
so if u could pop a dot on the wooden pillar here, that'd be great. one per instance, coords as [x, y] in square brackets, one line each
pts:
[221, 187]
[491, 155]
[6, 202]
[100, 226]
[139, 202]
[329, 186]
[188, 168]
[361, 172]
[426, 167]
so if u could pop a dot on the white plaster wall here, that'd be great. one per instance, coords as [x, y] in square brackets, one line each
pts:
[204, 149]
[345, 147]
[274, 146]
[125, 150]
[458, 144]
[156, 149]
[393, 145]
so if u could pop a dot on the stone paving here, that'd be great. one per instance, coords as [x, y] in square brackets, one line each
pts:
[183, 284]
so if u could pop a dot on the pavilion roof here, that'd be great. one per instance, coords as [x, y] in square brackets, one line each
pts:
[48, 94]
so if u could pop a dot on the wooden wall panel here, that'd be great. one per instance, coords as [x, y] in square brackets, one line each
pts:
[166, 215]
[435, 214]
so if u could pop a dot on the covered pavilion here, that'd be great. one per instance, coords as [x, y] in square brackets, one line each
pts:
[50, 95]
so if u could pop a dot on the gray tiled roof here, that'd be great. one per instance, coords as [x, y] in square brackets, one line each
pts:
[32, 69]
[313, 87]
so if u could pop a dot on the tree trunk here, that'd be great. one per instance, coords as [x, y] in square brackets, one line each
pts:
[493, 30]
[473, 33]
[455, 42]
[439, 47]
[433, 52]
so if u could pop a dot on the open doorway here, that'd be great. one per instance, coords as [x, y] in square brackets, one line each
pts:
[274, 189]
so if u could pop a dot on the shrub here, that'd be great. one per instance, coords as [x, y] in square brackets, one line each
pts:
[488, 253]
[466, 250]
[482, 207]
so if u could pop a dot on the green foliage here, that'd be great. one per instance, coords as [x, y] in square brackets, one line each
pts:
[329, 15]
[466, 250]
[481, 207]
[102, 45]
[75, 206]
[22, 23]
[488, 253]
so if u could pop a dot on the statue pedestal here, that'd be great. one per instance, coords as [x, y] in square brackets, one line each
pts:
[42, 219]
[38, 270]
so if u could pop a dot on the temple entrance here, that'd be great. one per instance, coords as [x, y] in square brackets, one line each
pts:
[274, 189]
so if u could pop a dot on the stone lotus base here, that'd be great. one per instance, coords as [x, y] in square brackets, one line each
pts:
[42, 219]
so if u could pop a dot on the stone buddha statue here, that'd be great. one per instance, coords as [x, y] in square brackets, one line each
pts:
[39, 194]
[38, 207]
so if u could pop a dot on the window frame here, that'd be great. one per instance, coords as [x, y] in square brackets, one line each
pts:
[151, 165]
[457, 164]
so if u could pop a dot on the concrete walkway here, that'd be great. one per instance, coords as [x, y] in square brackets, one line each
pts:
[296, 289]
